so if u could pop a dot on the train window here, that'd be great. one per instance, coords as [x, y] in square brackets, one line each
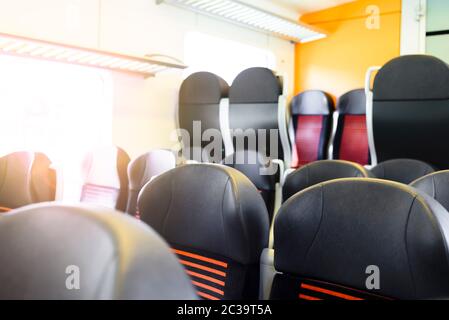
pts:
[56, 108]
[223, 57]
[437, 40]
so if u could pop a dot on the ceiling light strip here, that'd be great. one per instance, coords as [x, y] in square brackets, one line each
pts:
[40, 49]
[251, 17]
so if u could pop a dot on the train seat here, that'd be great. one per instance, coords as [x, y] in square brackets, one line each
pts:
[105, 177]
[200, 103]
[410, 111]
[360, 239]
[351, 136]
[435, 185]
[263, 173]
[26, 178]
[215, 221]
[144, 168]
[52, 251]
[321, 171]
[402, 170]
[310, 126]
[257, 110]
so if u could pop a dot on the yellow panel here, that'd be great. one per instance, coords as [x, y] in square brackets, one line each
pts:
[338, 63]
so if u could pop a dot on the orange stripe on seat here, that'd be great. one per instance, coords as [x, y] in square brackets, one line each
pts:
[329, 292]
[206, 296]
[205, 286]
[5, 209]
[306, 297]
[202, 276]
[201, 258]
[198, 266]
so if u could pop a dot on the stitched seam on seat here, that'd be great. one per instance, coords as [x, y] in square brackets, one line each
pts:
[317, 230]
[308, 178]
[241, 218]
[144, 175]
[434, 191]
[406, 244]
[222, 216]
[164, 224]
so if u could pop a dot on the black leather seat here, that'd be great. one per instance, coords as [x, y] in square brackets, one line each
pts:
[51, 251]
[106, 178]
[199, 101]
[254, 104]
[217, 223]
[435, 185]
[144, 168]
[310, 126]
[321, 171]
[411, 110]
[336, 239]
[26, 178]
[351, 136]
[402, 170]
[262, 172]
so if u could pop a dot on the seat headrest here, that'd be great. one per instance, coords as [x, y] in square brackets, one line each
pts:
[207, 207]
[45, 249]
[256, 85]
[312, 102]
[26, 178]
[412, 77]
[321, 171]
[402, 170]
[203, 88]
[333, 231]
[435, 185]
[262, 172]
[352, 103]
[149, 165]
[103, 166]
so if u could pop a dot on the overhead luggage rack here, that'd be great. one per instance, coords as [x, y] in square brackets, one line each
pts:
[52, 51]
[251, 17]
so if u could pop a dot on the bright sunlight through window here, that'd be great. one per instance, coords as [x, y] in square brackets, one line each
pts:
[59, 109]
[223, 57]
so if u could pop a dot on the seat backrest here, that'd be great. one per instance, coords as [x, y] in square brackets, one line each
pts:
[402, 170]
[254, 105]
[311, 126]
[26, 178]
[435, 185]
[262, 172]
[351, 136]
[216, 221]
[199, 101]
[106, 178]
[361, 239]
[51, 251]
[411, 110]
[321, 171]
[144, 168]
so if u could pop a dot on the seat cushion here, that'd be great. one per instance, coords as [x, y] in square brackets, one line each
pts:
[402, 170]
[341, 231]
[211, 213]
[53, 251]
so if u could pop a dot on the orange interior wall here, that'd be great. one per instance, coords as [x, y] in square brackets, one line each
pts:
[339, 62]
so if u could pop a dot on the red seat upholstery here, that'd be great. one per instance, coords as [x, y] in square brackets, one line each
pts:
[311, 126]
[351, 137]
